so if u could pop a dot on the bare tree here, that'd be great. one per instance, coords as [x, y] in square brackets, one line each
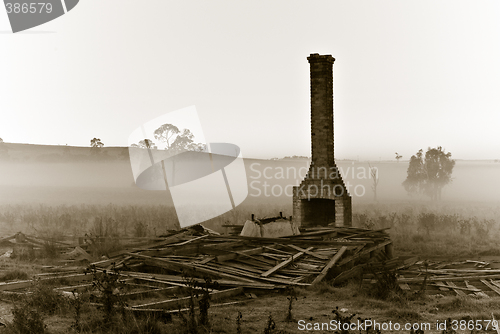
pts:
[374, 176]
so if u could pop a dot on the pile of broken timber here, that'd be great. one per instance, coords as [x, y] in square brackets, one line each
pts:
[250, 262]
[32, 246]
[462, 278]
[158, 275]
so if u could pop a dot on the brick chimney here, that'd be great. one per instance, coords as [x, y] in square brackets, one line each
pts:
[322, 197]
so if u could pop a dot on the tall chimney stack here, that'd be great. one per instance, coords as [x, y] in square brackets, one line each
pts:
[322, 198]
[322, 110]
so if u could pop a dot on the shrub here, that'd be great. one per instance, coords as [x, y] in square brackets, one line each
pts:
[27, 321]
[45, 299]
[50, 250]
[386, 284]
[107, 282]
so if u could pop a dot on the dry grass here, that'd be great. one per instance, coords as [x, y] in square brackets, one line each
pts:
[314, 304]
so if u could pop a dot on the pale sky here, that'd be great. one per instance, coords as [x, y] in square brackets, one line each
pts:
[408, 74]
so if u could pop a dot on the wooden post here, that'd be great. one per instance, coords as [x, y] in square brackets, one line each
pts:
[389, 251]
[330, 264]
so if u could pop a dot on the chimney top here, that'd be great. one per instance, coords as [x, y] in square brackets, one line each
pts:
[314, 57]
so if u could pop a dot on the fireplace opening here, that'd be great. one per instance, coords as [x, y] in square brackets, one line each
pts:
[318, 211]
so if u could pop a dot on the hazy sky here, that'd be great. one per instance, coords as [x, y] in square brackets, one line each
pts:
[408, 74]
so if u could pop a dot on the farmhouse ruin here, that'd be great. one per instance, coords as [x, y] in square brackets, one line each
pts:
[322, 197]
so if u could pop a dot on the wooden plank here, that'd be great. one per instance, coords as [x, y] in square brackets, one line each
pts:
[149, 292]
[171, 279]
[491, 286]
[404, 286]
[168, 240]
[206, 260]
[495, 283]
[278, 251]
[256, 262]
[477, 293]
[447, 287]
[162, 313]
[321, 257]
[457, 291]
[119, 263]
[27, 283]
[408, 263]
[227, 257]
[366, 251]
[285, 263]
[77, 288]
[291, 241]
[238, 272]
[165, 284]
[222, 246]
[345, 275]
[135, 285]
[287, 281]
[178, 266]
[444, 279]
[187, 241]
[330, 264]
[175, 303]
[440, 285]
[463, 272]
[366, 233]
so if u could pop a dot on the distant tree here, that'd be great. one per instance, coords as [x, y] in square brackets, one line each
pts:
[177, 141]
[166, 134]
[96, 144]
[398, 156]
[430, 173]
[145, 143]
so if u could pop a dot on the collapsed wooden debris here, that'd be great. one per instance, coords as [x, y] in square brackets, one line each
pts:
[156, 271]
[445, 278]
[297, 260]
